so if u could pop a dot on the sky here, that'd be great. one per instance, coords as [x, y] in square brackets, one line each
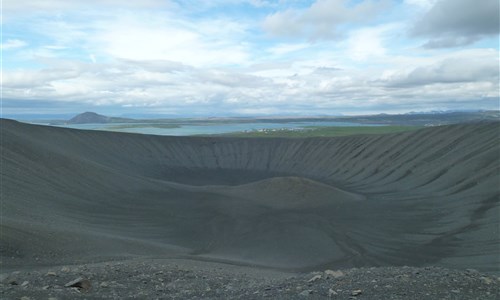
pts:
[248, 57]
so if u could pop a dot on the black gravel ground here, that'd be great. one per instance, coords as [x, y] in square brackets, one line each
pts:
[182, 279]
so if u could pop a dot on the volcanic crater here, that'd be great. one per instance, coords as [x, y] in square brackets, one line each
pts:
[425, 197]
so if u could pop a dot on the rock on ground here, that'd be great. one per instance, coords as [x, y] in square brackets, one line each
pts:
[179, 279]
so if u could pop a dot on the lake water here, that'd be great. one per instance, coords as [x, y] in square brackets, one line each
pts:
[220, 128]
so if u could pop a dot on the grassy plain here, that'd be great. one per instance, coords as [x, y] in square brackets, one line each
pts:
[322, 131]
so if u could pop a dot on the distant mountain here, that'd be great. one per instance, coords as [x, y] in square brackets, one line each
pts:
[426, 118]
[412, 118]
[89, 117]
[94, 118]
[437, 112]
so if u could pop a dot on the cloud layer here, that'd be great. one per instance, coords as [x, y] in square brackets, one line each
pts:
[452, 23]
[249, 57]
[322, 20]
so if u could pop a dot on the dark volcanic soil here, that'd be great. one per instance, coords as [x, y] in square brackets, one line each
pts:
[180, 279]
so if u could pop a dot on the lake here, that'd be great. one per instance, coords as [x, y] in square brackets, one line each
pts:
[207, 128]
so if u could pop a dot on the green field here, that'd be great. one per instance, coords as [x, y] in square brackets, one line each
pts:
[320, 131]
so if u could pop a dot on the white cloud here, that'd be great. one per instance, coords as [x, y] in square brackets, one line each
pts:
[180, 45]
[282, 49]
[424, 4]
[13, 44]
[469, 66]
[165, 36]
[30, 6]
[367, 43]
[32, 79]
[172, 86]
[452, 23]
[321, 20]
[173, 62]
[215, 3]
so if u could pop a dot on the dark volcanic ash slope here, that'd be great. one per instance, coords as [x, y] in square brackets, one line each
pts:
[428, 197]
